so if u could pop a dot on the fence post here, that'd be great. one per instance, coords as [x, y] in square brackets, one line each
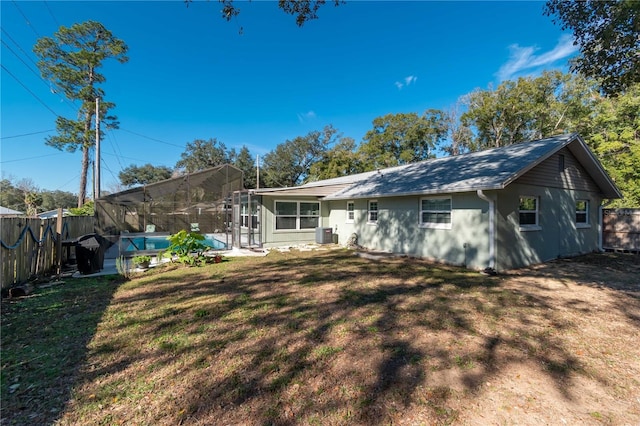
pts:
[59, 243]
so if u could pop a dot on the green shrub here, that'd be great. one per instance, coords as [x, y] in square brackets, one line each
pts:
[188, 247]
[139, 260]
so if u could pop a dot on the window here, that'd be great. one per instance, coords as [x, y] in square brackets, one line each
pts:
[297, 215]
[528, 213]
[309, 215]
[245, 217]
[435, 213]
[350, 211]
[582, 213]
[372, 216]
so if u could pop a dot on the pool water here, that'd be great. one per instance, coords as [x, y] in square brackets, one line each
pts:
[161, 243]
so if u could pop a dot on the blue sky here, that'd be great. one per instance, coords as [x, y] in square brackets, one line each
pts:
[192, 75]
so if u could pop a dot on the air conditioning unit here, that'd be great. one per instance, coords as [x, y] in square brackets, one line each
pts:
[324, 235]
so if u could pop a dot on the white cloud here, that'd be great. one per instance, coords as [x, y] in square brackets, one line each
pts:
[524, 59]
[406, 81]
[309, 115]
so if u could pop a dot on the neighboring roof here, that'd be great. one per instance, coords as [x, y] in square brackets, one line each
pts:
[53, 213]
[5, 211]
[486, 170]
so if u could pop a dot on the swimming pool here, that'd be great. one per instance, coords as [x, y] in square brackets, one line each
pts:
[159, 242]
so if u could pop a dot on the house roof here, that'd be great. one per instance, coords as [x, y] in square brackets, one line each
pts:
[486, 170]
[320, 188]
[6, 211]
[303, 190]
[53, 214]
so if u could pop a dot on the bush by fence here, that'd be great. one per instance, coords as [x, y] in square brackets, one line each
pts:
[29, 245]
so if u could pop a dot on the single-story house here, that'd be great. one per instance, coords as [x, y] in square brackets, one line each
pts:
[497, 209]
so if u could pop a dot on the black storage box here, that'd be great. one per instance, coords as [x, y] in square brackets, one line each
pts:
[90, 250]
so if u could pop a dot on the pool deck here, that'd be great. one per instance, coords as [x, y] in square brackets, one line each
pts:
[112, 253]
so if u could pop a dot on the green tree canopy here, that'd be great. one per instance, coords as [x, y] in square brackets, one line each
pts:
[52, 200]
[290, 163]
[555, 103]
[525, 109]
[11, 196]
[403, 138]
[88, 209]
[201, 154]
[608, 34]
[245, 162]
[25, 196]
[143, 175]
[71, 61]
[342, 159]
[615, 138]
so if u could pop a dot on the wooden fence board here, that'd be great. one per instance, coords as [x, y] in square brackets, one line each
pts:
[26, 257]
[621, 229]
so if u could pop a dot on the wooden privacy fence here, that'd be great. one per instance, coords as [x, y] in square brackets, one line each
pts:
[29, 245]
[621, 229]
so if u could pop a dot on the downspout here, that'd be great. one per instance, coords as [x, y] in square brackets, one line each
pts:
[492, 230]
[600, 228]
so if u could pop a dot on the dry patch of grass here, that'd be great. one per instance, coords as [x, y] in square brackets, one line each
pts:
[331, 338]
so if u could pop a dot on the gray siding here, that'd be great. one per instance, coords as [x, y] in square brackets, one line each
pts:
[548, 174]
[558, 235]
[273, 238]
[398, 229]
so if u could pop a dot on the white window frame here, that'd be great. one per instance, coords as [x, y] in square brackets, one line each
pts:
[436, 225]
[369, 211]
[351, 212]
[533, 226]
[245, 217]
[298, 216]
[586, 223]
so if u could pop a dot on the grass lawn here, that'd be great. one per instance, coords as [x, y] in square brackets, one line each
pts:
[329, 338]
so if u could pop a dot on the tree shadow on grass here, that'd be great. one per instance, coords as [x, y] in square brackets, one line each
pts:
[44, 340]
[396, 369]
[322, 338]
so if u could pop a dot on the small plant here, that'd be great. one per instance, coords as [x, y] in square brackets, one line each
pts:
[121, 267]
[142, 261]
[187, 247]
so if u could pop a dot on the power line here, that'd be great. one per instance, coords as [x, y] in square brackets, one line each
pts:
[128, 158]
[51, 13]
[30, 158]
[19, 47]
[71, 104]
[152, 139]
[29, 90]
[114, 145]
[68, 182]
[26, 134]
[109, 170]
[25, 18]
